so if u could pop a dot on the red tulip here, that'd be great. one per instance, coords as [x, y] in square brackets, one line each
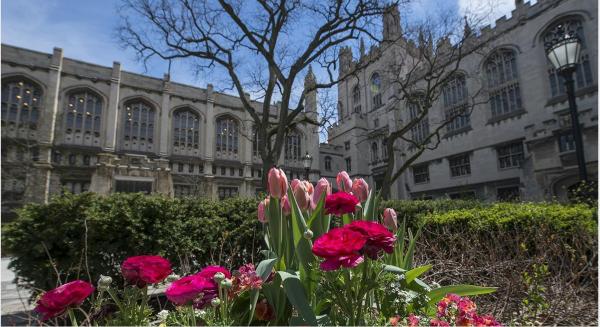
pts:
[340, 247]
[390, 219]
[323, 186]
[340, 203]
[360, 189]
[55, 302]
[145, 269]
[277, 183]
[344, 182]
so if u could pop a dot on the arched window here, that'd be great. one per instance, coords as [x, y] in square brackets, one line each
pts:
[139, 125]
[374, 152]
[583, 74]
[455, 103]
[356, 98]
[21, 101]
[503, 82]
[257, 142]
[420, 130]
[186, 129]
[293, 146]
[376, 90]
[227, 136]
[328, 163]
[83, 111]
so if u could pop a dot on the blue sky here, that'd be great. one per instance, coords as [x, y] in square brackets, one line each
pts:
[85, 29]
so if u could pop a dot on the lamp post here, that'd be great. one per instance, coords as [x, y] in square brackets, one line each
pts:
[307, 162]
[563, 53]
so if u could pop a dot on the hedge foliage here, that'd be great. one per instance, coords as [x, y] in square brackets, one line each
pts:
[190, 232]
[195, 232]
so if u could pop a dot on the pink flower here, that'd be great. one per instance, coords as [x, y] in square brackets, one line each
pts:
[187, 289]
[246, 278]
[210, 288]
[439, 323]
[344, 182]
[323, 186]
[210, 271]
[55, 302]
[390, 219]
[377, 236]
[145, 269]
[339, 247]
[301, 193]
[413, 320]
[285, 206]
[340, 203]
[277, 183]
[486, 321]
[262, 207]
[394, 320]
[360, 189]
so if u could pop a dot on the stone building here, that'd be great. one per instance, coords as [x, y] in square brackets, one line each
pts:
[76, 126]
[516, 144]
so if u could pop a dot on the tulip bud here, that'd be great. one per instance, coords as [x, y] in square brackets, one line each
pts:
[344, 182]
[285, 206]
[301, 194]
[360, 189]
[172, 277]
[226, 283]
[390, 219]
[308, 234]
[262, 207]
[104, 282]
[218, 277]
[215, 302]
[323, 186]
[277, 183]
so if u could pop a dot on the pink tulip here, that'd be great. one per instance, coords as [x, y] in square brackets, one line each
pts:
[344, 182]
[262, 206]
[285, 206]
[390, 219]
[323, 186]
[277, 182]
[360, 189]
[299, 188]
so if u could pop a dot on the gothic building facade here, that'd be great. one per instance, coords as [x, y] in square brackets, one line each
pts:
[73, 126]
[515, 143]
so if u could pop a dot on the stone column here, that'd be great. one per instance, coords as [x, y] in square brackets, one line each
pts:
[164, 179]
[165, 121]
[209, 132]
[113, 109]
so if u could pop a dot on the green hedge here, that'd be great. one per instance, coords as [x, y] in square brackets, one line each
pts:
[194, 232]
[190, 232]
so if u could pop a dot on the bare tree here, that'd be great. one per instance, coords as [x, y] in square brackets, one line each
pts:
[428, 60]
[263, 47]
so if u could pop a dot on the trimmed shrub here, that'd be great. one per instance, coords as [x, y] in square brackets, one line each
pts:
[83, 236]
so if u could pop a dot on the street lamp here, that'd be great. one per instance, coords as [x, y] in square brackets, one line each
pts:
[307, 162]
[563, 53]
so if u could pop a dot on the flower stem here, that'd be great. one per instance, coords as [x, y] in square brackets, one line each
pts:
[72, 316]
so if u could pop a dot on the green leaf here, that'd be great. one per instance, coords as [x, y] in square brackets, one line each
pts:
[265, 267]
[463, 290]
[253, 299]
[346, 218]
[416, 272]
[297, 297]
[394, 269]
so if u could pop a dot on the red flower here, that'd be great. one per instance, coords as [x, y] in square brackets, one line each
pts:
[339, 247]
[145, 269]
[55, 302]
[210, 271]
[187, 289]
[340, 203]
[210, 289]
[264, 311]
[439, 323]
[486, 321]
[378, 237]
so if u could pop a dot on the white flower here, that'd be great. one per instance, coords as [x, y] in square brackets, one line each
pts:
[162, 316]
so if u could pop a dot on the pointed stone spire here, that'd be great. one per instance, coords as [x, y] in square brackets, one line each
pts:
[309, 80]
[430, 43]
[391, 23]
[467, 29]
[362, 48]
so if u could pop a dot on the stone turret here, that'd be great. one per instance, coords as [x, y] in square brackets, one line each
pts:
[345, 59]
[391, 24]
[310, 102]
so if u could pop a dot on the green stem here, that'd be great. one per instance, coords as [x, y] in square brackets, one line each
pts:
[72, 316]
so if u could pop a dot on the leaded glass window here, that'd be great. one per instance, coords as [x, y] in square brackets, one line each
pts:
[503, 82]
[186, 129]
[139, 125]
[376, 90]
[455, 98]
[420, 130]
[293, 146]
[227, 136]
[83, 111]
[21, 101]
[356, 98]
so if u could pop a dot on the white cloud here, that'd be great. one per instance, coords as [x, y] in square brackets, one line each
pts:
[486, 11]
